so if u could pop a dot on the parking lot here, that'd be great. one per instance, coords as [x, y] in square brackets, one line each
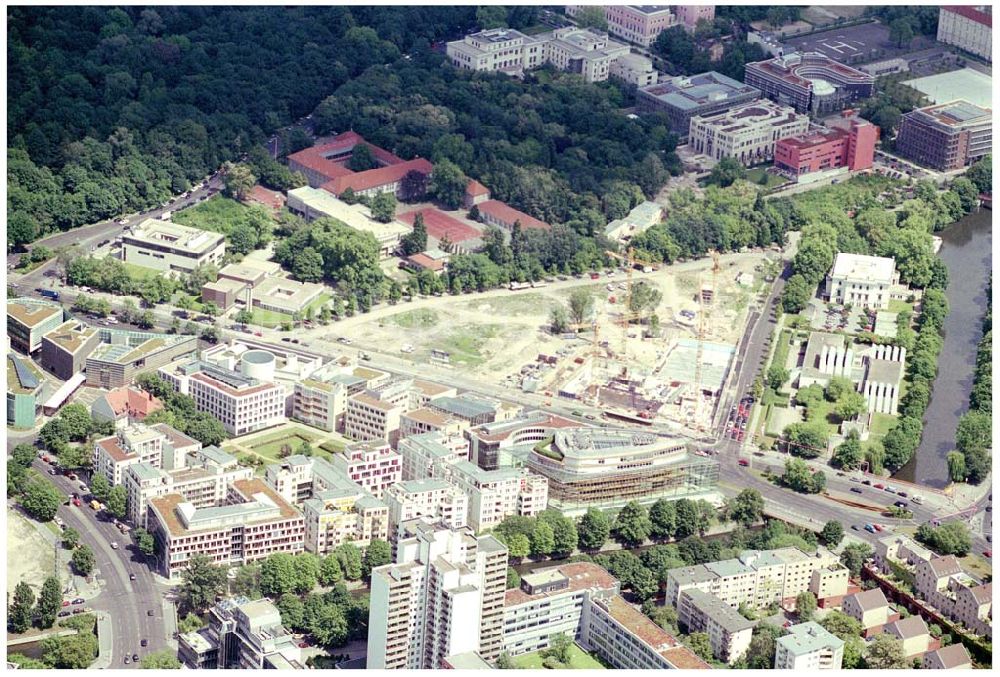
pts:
[856, 44]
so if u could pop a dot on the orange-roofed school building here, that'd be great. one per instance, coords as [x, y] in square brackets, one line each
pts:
[328, 161]
[501, 214]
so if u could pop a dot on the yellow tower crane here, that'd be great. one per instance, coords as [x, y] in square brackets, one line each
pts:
[704, 303]
[627, 316]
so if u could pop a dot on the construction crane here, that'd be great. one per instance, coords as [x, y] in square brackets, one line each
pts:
[704, 302]
[629, 259]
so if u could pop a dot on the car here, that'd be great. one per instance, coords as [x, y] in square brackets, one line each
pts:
[45, 459]
[856, 527]
[590, 417]
[856, 480]
[114, 545]
[303, 645]
[144, 642]
[84, 488]
[52, 471]
[879, 486]
[65, 602]
[916, 499]
[901, 493]
[64, 614]
[135, 658]
[744, 462]
[901, 504]
[286, 339]
[79, 600]
[149, 612]
[72, 476]
[867, 483]
[890, 489]
[131, 577]
[841, 474]
[857, 490]
[988, 553]
[76, 502]
[346, 341]
[78, 610]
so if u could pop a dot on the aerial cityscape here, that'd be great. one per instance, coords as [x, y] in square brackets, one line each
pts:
[499, 337]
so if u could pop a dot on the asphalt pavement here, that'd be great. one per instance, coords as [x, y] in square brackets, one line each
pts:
[126, 602]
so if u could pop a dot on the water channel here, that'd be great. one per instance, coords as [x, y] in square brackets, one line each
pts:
[967, 254]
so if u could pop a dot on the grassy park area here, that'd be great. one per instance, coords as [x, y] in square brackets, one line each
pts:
[756, 176]
[216, 214]
[579, 660]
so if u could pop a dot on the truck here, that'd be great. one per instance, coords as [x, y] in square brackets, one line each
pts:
[539, 283]
[514, 286]
[49, 294]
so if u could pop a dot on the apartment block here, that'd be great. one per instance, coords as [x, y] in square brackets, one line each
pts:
[28, 320]
[171, 247]
[946, 136]
[952, 657]
[134, 444]
[551, 602]
[942, 582]
[685, 97]
[427, 420]
[253, 523]
[443, 595]
[344, 512]
[727, 630]
[426, 455]
[320, 404]
[435, 499]
[375, 467]
[242, 634]
[241, 401]
[808, 646]
[66, 348]
[968, 28]
[203, 480]
[626, 639]
[899, 554]
[495, 495]
[756, 578]
[370, 417]
[746, 133]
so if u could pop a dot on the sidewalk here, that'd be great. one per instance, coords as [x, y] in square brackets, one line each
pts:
[105, 643]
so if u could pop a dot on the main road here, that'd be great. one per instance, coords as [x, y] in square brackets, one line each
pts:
[127, 602]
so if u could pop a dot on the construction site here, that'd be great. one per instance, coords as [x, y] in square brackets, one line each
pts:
[665, 360]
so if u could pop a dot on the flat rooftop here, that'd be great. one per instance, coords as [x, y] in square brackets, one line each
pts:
[287, 292]
[70, 335]
[688, 92]
[965, 84]
[806, 638]
[581, 575]
[957, 114]
[861, 267]
[23, 377]
[31, 313]
[173, 235]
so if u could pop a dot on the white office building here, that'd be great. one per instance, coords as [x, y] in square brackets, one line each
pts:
[171, 247]
[865, 281]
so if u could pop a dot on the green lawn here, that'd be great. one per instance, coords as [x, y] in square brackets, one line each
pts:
[415, 318]
[464, 345]
[321, 300]
[141, 272]
[579, 660]
[899, 306]
[755, 175]
[881, 424]
[216, 214]
[269, 447]
[269, 318]
[781, 350]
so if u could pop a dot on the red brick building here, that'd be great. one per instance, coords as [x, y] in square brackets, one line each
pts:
[824, 149]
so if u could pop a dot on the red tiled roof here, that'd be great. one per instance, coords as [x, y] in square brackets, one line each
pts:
[267, 197]
[475, 189]
[316, 158]
[506, 214]
[373, 178]
[427, 262]
[114, 450]
[971, 13]
[127, 400]
[440, 224]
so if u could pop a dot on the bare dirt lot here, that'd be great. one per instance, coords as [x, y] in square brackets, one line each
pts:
[29, 555]
[492, 335]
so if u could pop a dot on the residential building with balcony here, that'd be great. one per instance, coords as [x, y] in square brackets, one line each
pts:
[375, 467]
[252, 523]
[443, 595]
[727, 630]
[435, 499]
[343, 512]
[871, 609]
[370, 417]
[494, 495]
[429, 454]
[807, 647]
[136, 443]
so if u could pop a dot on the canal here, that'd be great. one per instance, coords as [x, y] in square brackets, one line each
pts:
[967, 254]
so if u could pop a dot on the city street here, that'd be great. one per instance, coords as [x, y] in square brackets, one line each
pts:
[126, 602]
